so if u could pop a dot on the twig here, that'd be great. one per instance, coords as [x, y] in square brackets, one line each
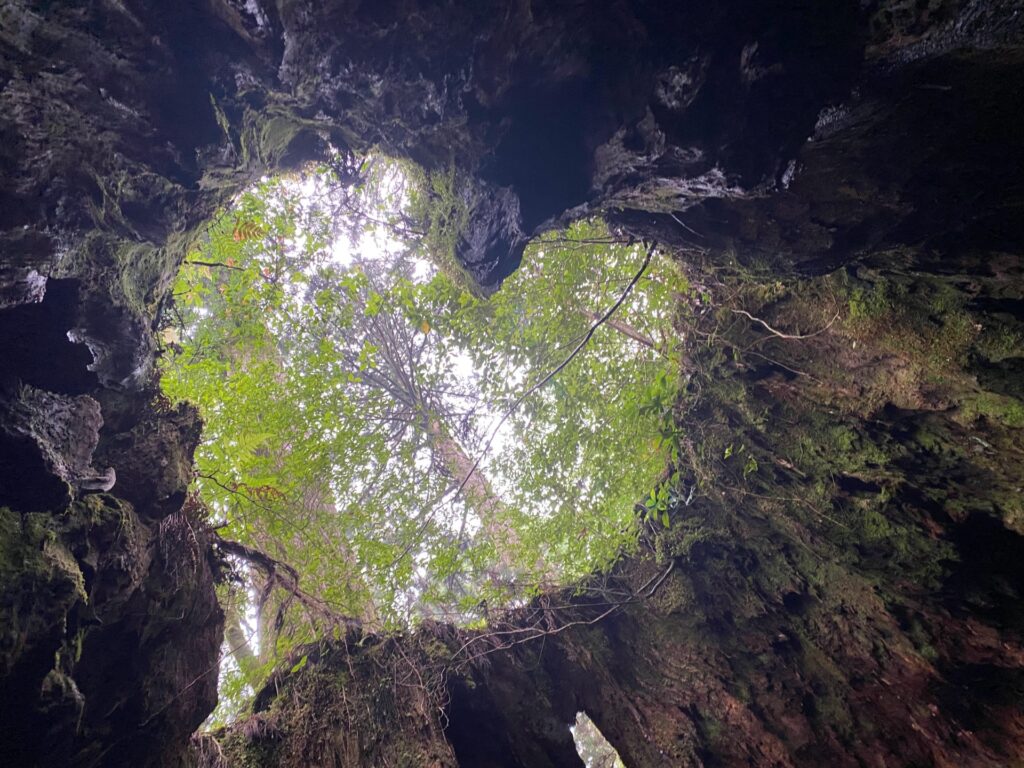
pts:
[780, 334]
[782, 365]
[197, 263]
[626, 330]
[685, 226]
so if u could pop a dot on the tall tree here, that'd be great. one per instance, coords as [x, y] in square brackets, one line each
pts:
[350, 400]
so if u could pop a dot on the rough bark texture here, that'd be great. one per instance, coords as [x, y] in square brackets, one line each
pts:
[850, 597]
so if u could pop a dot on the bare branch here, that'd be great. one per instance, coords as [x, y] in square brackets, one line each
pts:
[281, 574]
[782, 335]
[198, 263]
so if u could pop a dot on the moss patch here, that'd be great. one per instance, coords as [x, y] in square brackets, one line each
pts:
[39, 582]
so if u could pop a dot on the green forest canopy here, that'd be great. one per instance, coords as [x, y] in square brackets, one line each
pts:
[350, 392]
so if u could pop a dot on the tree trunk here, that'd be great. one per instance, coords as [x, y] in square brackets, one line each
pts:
[239, 647]
[624, 328]
[478, 494]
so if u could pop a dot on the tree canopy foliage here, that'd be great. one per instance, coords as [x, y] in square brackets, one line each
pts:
[352, 396]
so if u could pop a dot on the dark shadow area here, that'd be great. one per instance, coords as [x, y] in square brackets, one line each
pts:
[34, 342]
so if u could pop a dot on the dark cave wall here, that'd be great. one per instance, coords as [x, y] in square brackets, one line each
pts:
[111, 626]
[139, 119]
[774, 638]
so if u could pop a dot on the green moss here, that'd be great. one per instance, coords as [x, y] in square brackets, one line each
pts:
[839, 440]
[30, 549]
[891, 544]
[921, 638]
[930, 441]
[681, 538]
[712, 730]
[924, 321]
[999, 343]
[942, 298]
[874, 527]
[822, 448]
[675, 595]
[828, 707]
[1008, 411]
[272, 137]
[869, 302]
[952, 340]
[133, 274]
[221, 117]
[64, 567]
[276, 137]
[145, 271]
[39, 581]
[243, 750]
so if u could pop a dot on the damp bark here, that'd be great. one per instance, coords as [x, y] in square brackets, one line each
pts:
[843, 590]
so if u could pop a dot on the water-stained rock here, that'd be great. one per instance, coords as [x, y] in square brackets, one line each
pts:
[46, 447]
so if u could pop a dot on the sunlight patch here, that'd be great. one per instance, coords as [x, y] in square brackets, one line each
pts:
[593, 748]
[397, 445]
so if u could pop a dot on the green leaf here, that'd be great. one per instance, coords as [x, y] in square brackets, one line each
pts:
[374, 304]
[331, 411]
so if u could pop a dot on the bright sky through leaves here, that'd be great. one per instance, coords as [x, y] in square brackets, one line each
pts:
[348, 386]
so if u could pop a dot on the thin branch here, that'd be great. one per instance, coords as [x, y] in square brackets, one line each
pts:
[685, 226]
[782, 365]
[780, 334]
[625, 329]
[197, 263]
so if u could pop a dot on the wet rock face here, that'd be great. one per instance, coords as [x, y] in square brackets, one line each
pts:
[920, 157]
[55, 431]
[110, 623]
[738, 116]
[562, 105]
[111, 628]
